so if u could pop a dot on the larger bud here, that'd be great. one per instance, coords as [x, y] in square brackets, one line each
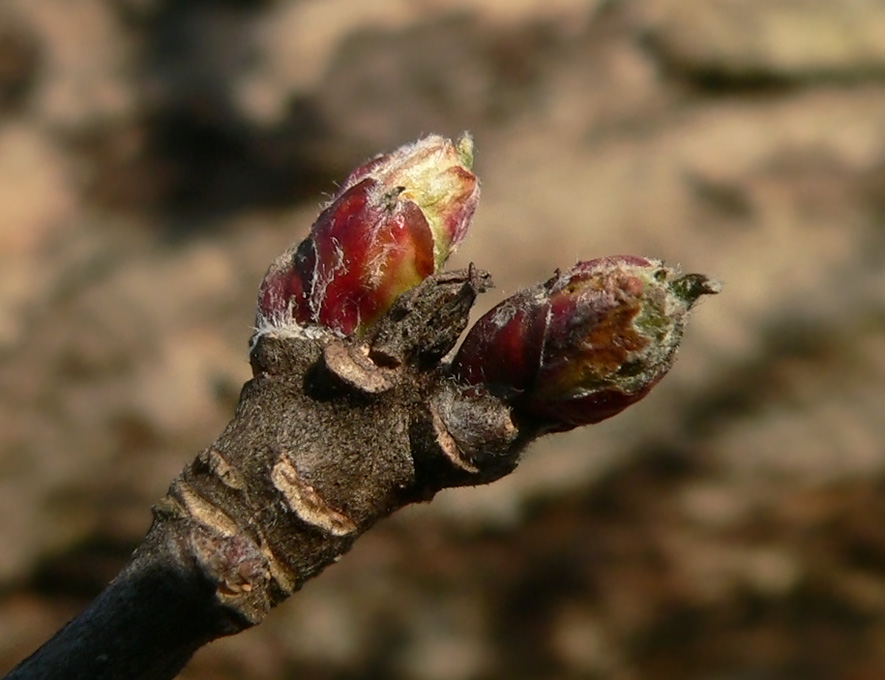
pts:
[394, 222]
[586, 344]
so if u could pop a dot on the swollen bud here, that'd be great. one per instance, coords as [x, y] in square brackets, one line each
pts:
[394, 222]
[586, 344]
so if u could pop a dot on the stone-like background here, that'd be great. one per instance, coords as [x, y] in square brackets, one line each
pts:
[156, 155]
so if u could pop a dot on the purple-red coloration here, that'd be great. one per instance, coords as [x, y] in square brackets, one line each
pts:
[586, 344]
[394, 222]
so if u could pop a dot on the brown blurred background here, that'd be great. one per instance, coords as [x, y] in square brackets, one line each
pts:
[156, 155]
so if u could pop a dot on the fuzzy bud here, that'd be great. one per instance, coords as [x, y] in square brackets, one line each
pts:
[586, 344]
[394, 222]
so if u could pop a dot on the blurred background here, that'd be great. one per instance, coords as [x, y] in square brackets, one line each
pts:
[156, 155]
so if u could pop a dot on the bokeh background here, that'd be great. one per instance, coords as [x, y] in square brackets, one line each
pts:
[155, 155]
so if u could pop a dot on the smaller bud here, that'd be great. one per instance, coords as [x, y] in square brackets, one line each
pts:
[586, 344]
[393, 223]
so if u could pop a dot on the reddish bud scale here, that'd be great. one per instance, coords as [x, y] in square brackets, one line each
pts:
[394, 222]
[361, 254]
[586, 344]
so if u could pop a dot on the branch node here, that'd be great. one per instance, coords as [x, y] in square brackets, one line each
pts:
[425, 322]
[477, 427]
[353, 366]
[449, 446]
[200, 510]
[306, 503]
[213, 461]
[237, 568]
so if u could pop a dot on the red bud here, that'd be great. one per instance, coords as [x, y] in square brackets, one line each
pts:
[394, 222]
[586, 344]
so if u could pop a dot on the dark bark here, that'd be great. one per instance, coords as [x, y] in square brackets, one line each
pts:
[329, 436]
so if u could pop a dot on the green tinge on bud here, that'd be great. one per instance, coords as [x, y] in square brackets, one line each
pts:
[436, 175]
[586, 344]
[394, 221]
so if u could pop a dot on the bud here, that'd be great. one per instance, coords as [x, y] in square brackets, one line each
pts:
[393, 223]
[586, 344]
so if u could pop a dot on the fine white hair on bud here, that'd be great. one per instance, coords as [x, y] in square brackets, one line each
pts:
[394, 221]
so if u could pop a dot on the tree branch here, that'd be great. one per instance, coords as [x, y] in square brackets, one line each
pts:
[351, 412]
[324, 443]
